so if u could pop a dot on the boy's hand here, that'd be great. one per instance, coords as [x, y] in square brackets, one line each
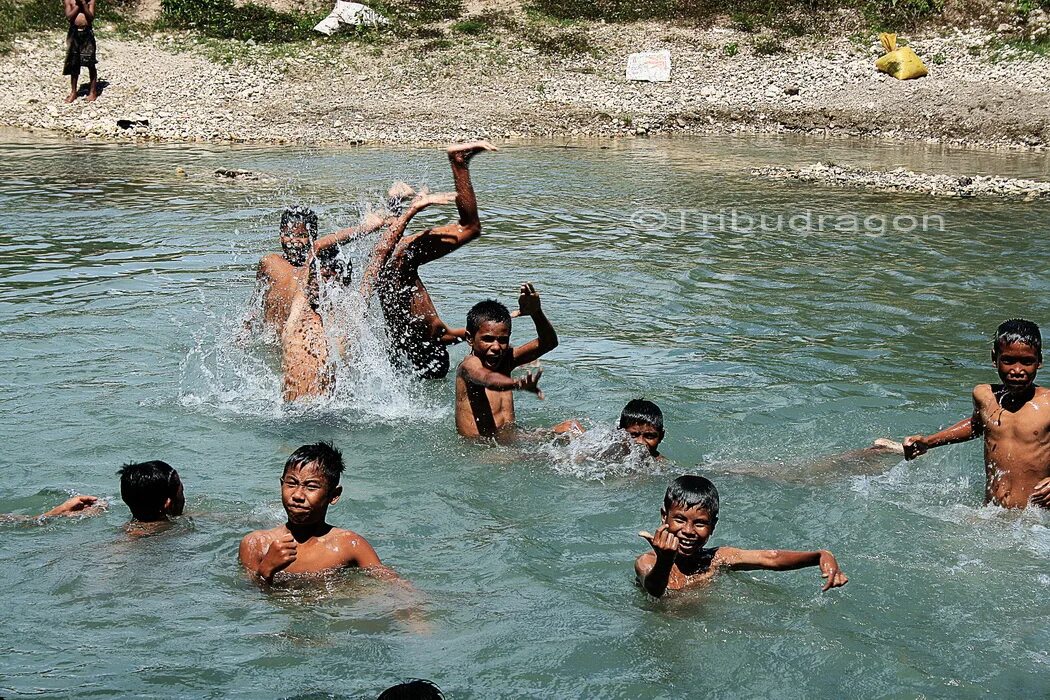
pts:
[1041, 495]
[530, 382]
[663, 542]
[76, 504]
[280, 554]
[915, 446]
[528, 301]
[426, 198]
[829, 569]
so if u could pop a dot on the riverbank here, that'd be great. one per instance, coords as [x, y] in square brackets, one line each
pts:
[172, 87]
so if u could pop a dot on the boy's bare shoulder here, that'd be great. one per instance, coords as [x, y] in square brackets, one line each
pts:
[257, 537]
[345, 538]
[983, 393]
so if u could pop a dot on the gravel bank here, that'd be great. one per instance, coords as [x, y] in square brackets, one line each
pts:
[164, 87]
[901, 180]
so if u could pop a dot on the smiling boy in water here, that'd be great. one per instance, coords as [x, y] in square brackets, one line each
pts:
[642, 420]
[484, 387]
[1013, 417]
[306, 543]
[680, 560]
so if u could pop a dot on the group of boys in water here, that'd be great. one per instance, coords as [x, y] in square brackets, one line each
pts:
[1013, 416]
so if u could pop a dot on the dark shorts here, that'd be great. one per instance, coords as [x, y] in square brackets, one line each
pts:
[80, 49]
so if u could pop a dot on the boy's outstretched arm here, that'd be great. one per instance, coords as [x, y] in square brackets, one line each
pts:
[781, 560]
[474, 372]
[395, 231]
[966, 429]
[372, 223]
[653, 569]
[546, 337]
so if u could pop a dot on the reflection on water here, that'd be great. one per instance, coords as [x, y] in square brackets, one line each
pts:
[123, 288]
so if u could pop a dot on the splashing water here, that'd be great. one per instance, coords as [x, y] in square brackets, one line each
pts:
[603, 452]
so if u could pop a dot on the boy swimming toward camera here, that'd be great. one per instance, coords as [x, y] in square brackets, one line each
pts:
[642, 420]
[1014, 419]
[306, 543]
[680, 560]
[484, 387]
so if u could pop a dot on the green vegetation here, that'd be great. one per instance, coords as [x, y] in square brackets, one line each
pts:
[222, 19]
[24, 16]
[731, 49]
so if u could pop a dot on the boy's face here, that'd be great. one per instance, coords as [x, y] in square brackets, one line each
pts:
[1016, 364]
[647, 435]
[295, 242]
[176, 503]
[306, 496]
[490, 342]
[692, 526]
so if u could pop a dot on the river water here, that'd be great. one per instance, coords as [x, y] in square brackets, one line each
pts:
[122, 289]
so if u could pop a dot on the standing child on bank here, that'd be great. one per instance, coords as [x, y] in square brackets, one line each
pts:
[484, 398]
[680, 560]
[1013, 417]
[80, 46]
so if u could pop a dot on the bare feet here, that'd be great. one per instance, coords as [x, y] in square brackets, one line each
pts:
[72, 96]
[887, 446]
[91, 96]
[463, 152]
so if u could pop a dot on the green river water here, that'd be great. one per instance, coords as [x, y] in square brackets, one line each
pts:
[123, 285]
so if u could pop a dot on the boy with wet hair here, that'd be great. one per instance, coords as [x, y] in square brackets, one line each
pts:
[279, 277]
[642, 420]
[484, 387]
[306, 543]
[152, 491]
[680, 560]
[1014, 419]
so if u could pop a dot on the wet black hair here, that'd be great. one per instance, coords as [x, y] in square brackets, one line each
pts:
[145, 486]
[416, 689]
[397, 205]
[328, 459]
[299, 214]
[488, 310]
[691, 491]
[1018, 330]
[642, 411]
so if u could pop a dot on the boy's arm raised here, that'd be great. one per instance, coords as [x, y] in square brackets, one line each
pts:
[546, 337]
[476, 373]
[373, 222]
[389, 240]
[781, 560]
[966, 429]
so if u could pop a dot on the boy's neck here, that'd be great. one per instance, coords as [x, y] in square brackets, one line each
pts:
[1015, 399]
[301, 533]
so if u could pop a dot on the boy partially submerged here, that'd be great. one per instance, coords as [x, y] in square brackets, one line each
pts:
[484, 387]
[642, 420]
[1013, 417]
[306, 543]
[680, 560]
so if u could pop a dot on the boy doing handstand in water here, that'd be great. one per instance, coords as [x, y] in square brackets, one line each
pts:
[417, 332]
[306, 543]
[1014, 419]
[680, 560]
[484, 387]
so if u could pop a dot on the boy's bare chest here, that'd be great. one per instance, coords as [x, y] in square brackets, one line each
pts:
[1029, 423]
[317, 554]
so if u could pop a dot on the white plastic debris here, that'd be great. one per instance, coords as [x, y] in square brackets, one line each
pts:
[653, 66]
[350, 14]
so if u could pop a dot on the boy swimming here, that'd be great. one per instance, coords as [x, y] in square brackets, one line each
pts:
[306, 543]
[417, 332]
[680, 560]
[1013, 417]
[484, 398]
[642, 420]
[152, 491]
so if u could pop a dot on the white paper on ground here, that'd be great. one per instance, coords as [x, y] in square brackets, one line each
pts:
[654, 66]
[349, 13]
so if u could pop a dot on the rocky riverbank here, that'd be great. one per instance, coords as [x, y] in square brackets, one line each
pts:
[902, 180]
[170, 87]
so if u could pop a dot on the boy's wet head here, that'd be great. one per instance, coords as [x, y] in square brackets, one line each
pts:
[152, 490]
[298, 232]
[644, 422]
[690, 512]
[1017, 353]
[310, 482]
[488, 331]
[334, 267]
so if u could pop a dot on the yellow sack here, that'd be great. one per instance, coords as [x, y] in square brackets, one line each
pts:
[901, 63]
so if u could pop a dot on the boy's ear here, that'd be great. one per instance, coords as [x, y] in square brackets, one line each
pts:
[663, 513]
[336, 493]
